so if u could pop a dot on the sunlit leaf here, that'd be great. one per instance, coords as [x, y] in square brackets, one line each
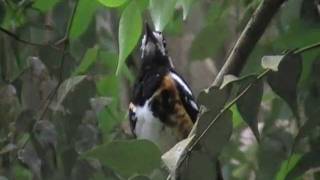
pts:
[186, 5]
[161, 12]
[130, 29]
[271, 62]
[172, 157]
[128, 157]
[227, 79]
[45, 5]
[82, 18]
[285, 167]
[89, 58]
[112, 3]
[284, 82]
[308, 161]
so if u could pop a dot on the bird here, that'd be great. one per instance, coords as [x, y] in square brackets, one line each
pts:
[162, 107]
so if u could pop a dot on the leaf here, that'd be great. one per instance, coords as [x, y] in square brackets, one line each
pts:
[308, 126]
[213, 98]
[271, 62]
[112, 3]
[186, 5]
[89, 58]
[227, 79]
[29, 157]
[218, 134]
[307, 162]
[25, 121]
[249, 103]
[66, 87]
[161, 12]
[285, 167]
[128, 157]
[82, 17]
[139, 178]
[45, 5]
[198, 165]
[172, 157]
[130, 29]
[284, 82]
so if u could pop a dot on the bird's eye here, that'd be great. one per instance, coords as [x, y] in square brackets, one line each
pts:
[164, 43]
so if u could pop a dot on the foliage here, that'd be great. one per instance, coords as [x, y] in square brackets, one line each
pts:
[66, 70]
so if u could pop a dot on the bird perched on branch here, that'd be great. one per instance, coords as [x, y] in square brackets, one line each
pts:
[162, 107]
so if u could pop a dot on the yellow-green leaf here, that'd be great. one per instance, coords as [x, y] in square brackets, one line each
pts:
[112, 3]
[130, 29]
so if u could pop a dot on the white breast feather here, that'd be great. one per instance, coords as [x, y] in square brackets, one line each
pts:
[151, 128]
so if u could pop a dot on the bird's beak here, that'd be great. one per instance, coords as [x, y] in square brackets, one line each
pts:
[149, 33]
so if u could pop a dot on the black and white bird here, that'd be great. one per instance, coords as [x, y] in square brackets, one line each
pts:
[162, 107]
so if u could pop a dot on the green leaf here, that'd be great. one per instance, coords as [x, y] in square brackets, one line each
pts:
[271, 62]
[186, 5]
[89, 58]
[213, 98]
[309, 125]
[172, 157]
[198, 165]
[112, 3]
[45, 5]
[227, 79]
[128, 157]
[285, 167]
[218, 134]
[139, 178]
[161, 12]
[82, 18]
[284, 82]
[130, 29]
[249, 103]
[66, 87]
[308, 161]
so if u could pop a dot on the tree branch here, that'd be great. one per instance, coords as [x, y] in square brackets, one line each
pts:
[17, 38]
[248, 39]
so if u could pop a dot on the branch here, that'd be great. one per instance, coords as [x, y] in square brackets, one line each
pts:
[65, 41]
[228, 106]
[248, 39]
[17, 38]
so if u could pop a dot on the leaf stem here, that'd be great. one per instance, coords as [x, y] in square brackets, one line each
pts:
[228, 106]
[307, 48]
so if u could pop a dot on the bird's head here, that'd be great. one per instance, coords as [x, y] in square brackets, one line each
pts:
[153, 47]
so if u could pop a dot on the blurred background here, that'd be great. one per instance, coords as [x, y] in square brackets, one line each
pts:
[46, 129]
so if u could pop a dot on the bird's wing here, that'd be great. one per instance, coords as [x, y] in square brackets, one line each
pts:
[186, 96]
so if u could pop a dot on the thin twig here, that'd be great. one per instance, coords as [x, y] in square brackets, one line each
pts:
[307, 48]
[65, 40]
[52, 93]
[17, 38]
[231, 103]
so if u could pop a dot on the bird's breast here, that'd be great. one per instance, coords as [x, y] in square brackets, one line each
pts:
[152, 128]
